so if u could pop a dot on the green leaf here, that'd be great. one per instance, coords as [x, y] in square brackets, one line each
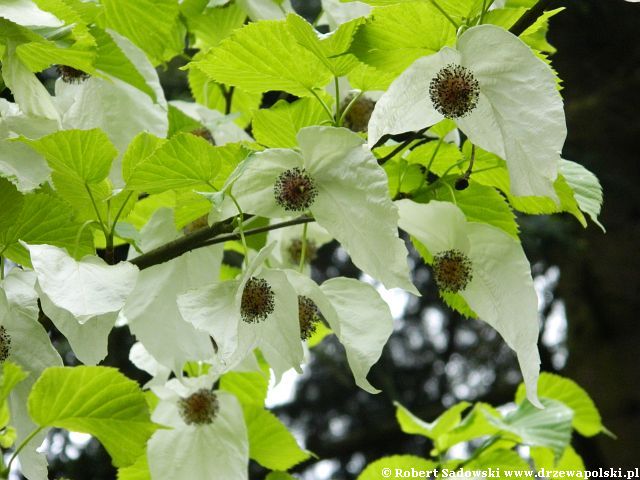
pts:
[544, 458]
[499, 460]
[150, 24]
[278, 126]
[331, 50]
[81, 161]
[446, 422]
[140, 148]
[99, 401]
[586, 418]
[279, 476]
[474, 425]
[478, 202]
[185, 161]
[403, 177]
[11, 201]
[586, 188]
[38, 56]
[112, 60]
[270, 443]
[138, 471]
[82, 154]
[550, 427]
[181, 122]
[250, 388]
[215, 24]
[401, 462]
[44, 219]
[265, 56]
[210, 94]
[397, 35]
[12, 375]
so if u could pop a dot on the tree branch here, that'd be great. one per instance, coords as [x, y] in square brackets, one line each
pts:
[254, 231]
[413, 136]
[219, 232]
[529, 17]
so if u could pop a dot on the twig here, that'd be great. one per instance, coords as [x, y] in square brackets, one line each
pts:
[529, 17]
[402, 146]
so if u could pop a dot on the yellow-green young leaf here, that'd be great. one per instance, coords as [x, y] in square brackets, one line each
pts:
[141, 147]
[376, 470]
[279, 476]
[250, 388]
[278, 126]
[321, 332]
[544, 458]
[137, 471]
[185, 161]
[150, 24]
[586, 418]
[331, 50]
[403, 177]
[586, 188]
[215, 24]
[82, 154]
[99, 401]
[181, 122]
[478, 202]
[500, 459]
[270, 443]
[11, 201]
[12, 375]
[210, 94]
[112, 60]
[38, 56]
[549, 428]
[366, 78]
[411, 424]
[45, 219]
[397, 35]
[474, 425]
[265, 56]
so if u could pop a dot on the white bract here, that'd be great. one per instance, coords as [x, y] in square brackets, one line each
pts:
[221, 127]
[207, 448]
[289, 240]
[30, 348]
[152, 311]
[358, 316]
[84, 288]
[500, 95]
[337, 179]
[225, 311]
[117, 107]
[497, 281]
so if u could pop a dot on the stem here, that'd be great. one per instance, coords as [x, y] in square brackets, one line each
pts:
[338, 116]
[95, 207]
[1, 267]
[482, 12]
[303, 252]
[529, 17]
[324, 105]
[22, 445]
[254, 231]
[435, 4]
[228, 99]
[433, 156]
[115, 220]
[241, 229]
[347, 109]
[402, 146]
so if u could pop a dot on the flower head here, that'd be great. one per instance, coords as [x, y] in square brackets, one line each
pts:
[337, 179]
[488, 269]
[203, 420]
[500, 95]
[258, 309]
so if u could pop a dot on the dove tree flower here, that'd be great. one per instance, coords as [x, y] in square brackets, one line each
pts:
[489, 269]
[337, 179]
[503, 97]
[257, 310]
[207, 436]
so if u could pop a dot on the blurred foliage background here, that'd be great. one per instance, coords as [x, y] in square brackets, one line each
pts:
[589, 284]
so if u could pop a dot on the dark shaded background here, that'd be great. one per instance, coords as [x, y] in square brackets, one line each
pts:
[438, 358]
